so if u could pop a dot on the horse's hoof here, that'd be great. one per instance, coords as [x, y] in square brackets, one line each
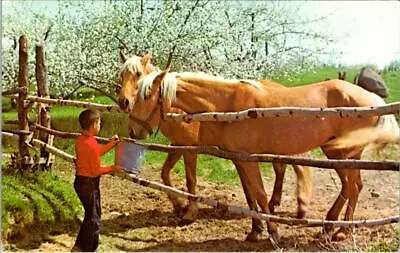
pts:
[185, 222]
[275, 236]
[188, 218]
[179, 209]
[252, 237]
[339, 235]
[327, 229]
[272, 205]
[301, 213]
[178, 212]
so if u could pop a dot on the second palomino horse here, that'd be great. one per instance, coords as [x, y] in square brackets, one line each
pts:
[181, 133]
[194, 92]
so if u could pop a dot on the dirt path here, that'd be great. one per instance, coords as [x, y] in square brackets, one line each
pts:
[141, 219]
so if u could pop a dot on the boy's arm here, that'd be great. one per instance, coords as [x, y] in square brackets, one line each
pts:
[105, 148]
[106, 169]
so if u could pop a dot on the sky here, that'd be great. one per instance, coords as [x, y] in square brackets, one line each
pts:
[369, 31]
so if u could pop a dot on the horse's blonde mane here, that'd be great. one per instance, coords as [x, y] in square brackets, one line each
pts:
[170, 82]
[133, 65]
[168, 85]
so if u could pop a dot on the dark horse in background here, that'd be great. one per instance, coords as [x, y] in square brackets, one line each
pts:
[371, 81]
[368, 79]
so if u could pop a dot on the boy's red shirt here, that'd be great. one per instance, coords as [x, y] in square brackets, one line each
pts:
[88, 152]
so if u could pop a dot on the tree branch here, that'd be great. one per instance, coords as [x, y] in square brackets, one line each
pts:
[99, 90]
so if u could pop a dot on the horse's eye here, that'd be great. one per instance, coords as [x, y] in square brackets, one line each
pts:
[117, 89]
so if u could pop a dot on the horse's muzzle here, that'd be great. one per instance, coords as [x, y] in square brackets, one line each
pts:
[125, 104]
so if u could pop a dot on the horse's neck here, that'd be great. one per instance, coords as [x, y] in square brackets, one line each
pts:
[194, 97]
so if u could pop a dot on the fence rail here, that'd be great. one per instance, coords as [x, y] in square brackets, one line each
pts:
[52, 101]
[342, 112]
[253, 113]
[14, 91]
[226, 207]
[242, 156]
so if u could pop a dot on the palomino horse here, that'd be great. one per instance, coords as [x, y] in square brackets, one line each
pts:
[181, 133]
[194, 92]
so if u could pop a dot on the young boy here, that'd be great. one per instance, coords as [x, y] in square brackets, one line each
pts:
[88, 171]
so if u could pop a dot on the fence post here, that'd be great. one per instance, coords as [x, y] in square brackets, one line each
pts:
[43, 109]
[22, 108]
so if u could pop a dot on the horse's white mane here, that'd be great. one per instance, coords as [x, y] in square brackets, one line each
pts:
[168, 85]
[133, 65]
[170, 81]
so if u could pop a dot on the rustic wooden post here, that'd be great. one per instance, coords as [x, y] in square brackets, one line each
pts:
[22, 109]
[43, 109]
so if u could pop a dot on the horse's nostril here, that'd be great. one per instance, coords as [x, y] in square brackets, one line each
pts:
[126, 103]
[132, 133]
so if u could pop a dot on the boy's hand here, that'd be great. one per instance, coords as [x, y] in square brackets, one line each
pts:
[118, 171]
[116, 139]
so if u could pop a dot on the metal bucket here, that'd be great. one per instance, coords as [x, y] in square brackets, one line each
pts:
[129, 156]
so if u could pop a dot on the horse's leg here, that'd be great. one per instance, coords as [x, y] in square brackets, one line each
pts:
[257, 226]
[351, 187]
[276, 197]
[334, 211]
[355, 186]
[172, 159]
[192, 209]
[253, 176]
[304, 189]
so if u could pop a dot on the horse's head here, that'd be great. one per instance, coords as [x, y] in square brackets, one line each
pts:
[371, 81]
[151, 104]
[133, 68]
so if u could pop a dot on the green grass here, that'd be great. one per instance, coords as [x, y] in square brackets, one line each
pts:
[36, 199]
[392, 79]
[317, 75]
[386, 246]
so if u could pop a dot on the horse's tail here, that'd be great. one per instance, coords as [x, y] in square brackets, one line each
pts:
[384, 132]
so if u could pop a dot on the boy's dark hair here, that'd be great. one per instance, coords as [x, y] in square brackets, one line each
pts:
[88, 117]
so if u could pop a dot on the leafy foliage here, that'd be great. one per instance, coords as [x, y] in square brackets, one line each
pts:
[230, 38]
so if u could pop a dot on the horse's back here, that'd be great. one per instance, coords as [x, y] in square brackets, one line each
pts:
[351, 95]
[338, 93]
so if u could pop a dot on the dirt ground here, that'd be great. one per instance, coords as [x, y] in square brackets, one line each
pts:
[136, 218]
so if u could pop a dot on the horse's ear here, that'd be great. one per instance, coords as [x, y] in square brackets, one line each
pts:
[156, 86]
[158, 80]
[146, 58]
[122, 56]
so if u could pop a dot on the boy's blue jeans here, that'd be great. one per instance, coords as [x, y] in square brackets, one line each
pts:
[88, 191]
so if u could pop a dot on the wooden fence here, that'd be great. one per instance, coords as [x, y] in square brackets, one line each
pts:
[45, 134]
